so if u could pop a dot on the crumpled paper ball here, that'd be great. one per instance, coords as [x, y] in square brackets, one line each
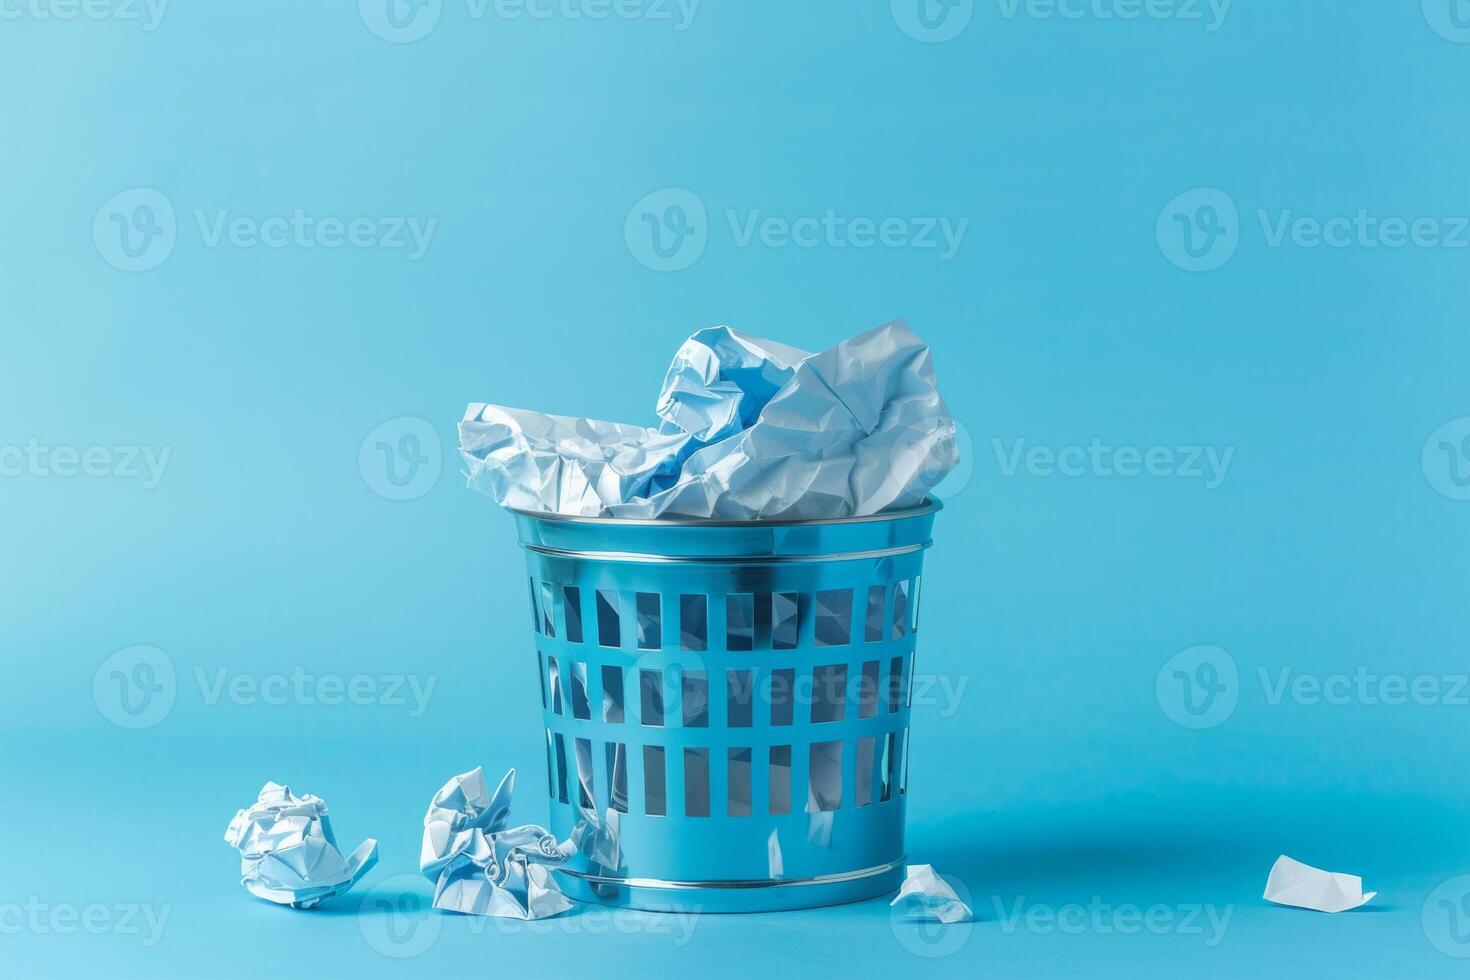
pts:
[930, 896]
[481, 867]
[288, 852]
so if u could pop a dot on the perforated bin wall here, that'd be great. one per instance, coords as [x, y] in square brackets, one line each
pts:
[730, 702]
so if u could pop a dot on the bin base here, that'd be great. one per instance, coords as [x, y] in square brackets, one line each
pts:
[653, 895]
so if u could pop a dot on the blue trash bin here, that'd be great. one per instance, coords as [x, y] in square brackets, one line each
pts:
[735, 697]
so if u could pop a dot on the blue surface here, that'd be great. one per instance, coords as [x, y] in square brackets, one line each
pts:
[1075, 769]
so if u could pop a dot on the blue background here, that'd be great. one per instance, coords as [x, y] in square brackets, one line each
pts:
[1059, 775]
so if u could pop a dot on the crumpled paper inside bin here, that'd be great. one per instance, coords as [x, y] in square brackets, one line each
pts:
[749, 429]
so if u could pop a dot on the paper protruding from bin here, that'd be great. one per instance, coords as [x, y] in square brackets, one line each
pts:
[750, 429]
[288, 852]
[719, 381]
[819, 828]
[534, 462]
[930, 896]
[1305, 887]
[775, 865]
[481, 867]
[599, 838]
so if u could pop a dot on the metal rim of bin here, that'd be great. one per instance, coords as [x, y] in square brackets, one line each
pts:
[646, 558]
[929, 506]
[841, 876]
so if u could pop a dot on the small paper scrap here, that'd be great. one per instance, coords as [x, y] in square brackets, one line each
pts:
[931, 896]
[1306, 887]
[479, 867]
[288, 853]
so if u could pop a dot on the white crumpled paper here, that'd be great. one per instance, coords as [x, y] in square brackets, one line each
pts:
[1303, 886]
[749, 429]
[930, 896]
[288, 853]
[481, 867]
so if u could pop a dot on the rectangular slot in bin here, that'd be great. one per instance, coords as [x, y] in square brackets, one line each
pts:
[650, 621]
[829, 693]
[785, 620]
[914, 605]
[783, 695]
[824, 777]
[780, 779]
[583, 749]
[900, 608]
[763, 607]
[553, 677]
[864, 788]
[737, 793]
[612, 694]
[693, 622]
[886, 767]
[655, 787]
[541, 678]
[696, 782]
[740, 621]
[834, 618]
[535, 612]
[609, 622]
[694, 698]
[895, 685]
[561, 768]
[868, 690]
[617, 776]
[580, 708]
[903, 762]
[873, 621]
[572, 604]
[651, 697]
[739, 698]
[548, 611]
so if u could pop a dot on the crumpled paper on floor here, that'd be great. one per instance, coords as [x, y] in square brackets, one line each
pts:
[930, 896]
[481, 867]
[750, 429]
[288, 853]
[1305, 887]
